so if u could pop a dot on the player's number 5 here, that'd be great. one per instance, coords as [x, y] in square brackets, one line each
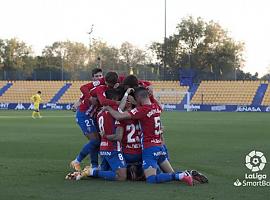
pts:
[157, 125]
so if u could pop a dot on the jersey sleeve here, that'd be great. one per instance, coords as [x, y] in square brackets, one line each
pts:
[103, 100]
[138, 113]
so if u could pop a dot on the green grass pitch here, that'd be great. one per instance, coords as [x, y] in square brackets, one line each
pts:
[35, 154]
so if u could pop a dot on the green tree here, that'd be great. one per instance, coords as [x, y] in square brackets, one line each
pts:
[71, 55]
[14, 54]
[104, 56]
[203, 46]
[131, 56]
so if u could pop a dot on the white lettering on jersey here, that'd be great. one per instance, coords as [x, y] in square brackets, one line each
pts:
[152, 112]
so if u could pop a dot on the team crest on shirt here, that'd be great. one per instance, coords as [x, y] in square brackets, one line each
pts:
[96, 83]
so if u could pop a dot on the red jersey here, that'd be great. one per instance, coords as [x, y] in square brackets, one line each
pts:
[85, 89]
[131, 141]
[106, 124]
[149, 118]
[90, 89]
[144, 83]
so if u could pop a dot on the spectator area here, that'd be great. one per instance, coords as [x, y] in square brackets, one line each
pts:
[266, 99]
[208, 92]
[21, 91]
[226, 92]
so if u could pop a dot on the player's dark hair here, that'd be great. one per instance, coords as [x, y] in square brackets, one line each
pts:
[39, 92]
[112, 94]
[95, 71]
[111, 78]
[141, 92]
[121, 91]
[131, 81]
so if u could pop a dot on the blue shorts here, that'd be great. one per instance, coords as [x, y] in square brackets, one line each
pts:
[112, 160]
[133, 158]
[166, 150]
[153, 156]
[86, 123]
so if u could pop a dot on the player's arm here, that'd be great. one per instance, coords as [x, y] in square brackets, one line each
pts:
[104, 101]
[125, 98]
[145, 83]
[119, 131]
[117, 115]
[76, 105]
[86, 88]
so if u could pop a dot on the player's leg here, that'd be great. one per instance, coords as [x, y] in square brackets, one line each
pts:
[33, 114]
[38, 113]
[117, 165]
[150, 163]
[94, 142]
[151, 157]
[181, 176]
[36, 107]
[91, 147]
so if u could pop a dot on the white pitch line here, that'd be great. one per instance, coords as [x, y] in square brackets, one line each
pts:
[17, 117]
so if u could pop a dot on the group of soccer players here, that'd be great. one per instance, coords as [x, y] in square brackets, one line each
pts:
[121, 120]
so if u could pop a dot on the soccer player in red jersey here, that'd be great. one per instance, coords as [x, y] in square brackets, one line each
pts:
[128, 132]
[85, 120]
[153, 153]
[113, 166]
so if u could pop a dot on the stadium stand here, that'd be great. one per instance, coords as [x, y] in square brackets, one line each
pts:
[21, 91]
[169, 91]
[2, 84]
[208, 92]
[266, 99]
[73, 93]
[226, 92]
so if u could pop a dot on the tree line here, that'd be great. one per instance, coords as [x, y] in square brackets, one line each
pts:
[203, 46]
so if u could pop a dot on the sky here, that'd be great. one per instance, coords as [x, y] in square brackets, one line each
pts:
[42, 22]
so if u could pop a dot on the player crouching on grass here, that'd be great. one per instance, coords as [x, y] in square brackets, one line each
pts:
[153, 153]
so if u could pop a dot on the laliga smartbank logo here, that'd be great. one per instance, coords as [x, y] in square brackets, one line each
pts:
[255, 162]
